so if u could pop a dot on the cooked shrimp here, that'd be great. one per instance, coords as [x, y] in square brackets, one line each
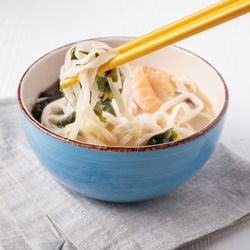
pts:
[151, 87]
[160, 82]
[143, 93]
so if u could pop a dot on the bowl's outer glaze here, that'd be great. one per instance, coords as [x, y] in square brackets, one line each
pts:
[121, 176]
[111, 175]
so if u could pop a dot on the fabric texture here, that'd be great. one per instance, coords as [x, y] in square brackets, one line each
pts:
[37, 212]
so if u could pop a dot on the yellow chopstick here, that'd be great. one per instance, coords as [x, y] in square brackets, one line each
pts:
[169, 27]
[225, 14]
[197, 22]
[68, 81]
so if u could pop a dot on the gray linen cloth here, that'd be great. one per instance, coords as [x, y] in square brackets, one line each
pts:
[36, 212]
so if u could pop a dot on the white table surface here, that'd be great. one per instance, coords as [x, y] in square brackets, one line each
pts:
[29, 29]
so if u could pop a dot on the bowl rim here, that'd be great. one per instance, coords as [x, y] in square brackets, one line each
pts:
[119, 148]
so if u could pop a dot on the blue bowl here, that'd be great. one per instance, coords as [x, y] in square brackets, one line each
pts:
[124, 174]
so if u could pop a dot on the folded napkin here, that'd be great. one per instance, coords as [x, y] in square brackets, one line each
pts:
[36, 212]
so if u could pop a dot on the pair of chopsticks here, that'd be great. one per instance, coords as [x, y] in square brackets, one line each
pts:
[190, 25]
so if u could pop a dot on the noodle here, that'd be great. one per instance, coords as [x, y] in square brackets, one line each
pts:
[105, 112]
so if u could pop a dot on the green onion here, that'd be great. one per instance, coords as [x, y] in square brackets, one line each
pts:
[107, 95]
[84, 52]
[96, 54]
[98, 111]
[103, 86]
[61, 89]
[100, 116]
[72, 53]
[113, 74]
[167, 136]
[101, 83]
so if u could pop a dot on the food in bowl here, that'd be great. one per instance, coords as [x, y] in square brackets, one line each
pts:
[123, 173]
[127, 106]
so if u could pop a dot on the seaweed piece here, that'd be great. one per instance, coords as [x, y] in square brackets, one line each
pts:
[50, 94]
[67, 120]
[167, 136]
[107, 106]
[103, 86]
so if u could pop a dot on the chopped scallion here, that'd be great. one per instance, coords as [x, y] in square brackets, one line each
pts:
[72, 53]
[84, 52]
[113, 74]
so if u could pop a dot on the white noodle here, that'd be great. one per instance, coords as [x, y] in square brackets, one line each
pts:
[130, 126]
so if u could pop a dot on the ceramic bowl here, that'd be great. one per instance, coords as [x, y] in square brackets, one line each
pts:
[124, 174]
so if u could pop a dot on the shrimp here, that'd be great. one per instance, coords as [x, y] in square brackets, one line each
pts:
[151, 87]
[143, 93]
[161, 83]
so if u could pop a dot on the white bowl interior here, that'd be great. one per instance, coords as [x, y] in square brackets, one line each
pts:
[174, 60]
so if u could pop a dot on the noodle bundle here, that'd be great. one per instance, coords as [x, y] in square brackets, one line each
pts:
[121, 107]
